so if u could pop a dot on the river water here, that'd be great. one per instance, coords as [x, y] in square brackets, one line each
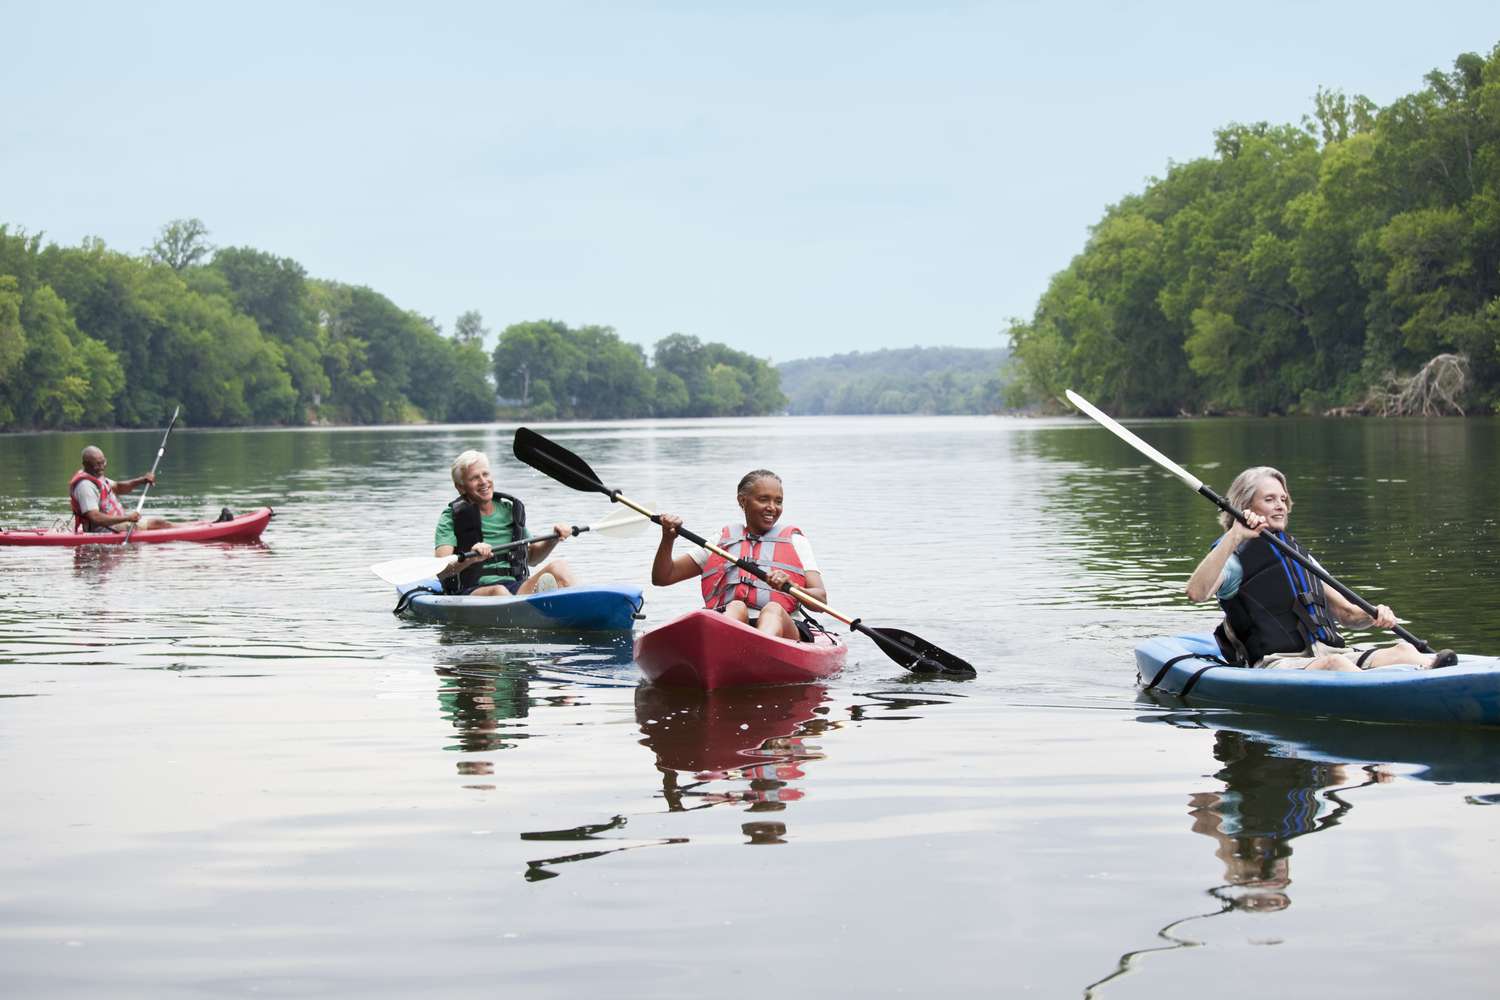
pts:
[228, 770]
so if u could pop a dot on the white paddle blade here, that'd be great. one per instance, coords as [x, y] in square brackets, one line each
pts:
[1108, 423]
[402, 571]
[622, 522]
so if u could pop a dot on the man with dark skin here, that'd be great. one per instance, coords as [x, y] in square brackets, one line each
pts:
[93, 496]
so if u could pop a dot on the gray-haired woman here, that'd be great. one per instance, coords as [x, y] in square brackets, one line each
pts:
[1276, 613]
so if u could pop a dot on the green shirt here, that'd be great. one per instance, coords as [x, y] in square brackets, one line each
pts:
[497, 528]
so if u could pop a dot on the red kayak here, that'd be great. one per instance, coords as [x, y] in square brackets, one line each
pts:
[245, 528]
[705, 649]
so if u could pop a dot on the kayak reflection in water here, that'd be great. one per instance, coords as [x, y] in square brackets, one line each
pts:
[482, 520]
[784, 553]
[1276, 613]
[94, 498]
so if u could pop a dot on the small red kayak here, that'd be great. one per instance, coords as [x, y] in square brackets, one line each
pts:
[245, 528]
[705, 649]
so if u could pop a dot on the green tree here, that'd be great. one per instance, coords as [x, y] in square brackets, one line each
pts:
[470, 328]
[181, 244]
[532, 358]
[12, 336]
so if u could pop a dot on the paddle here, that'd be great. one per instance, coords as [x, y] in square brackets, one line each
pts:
[1196, 484]
[147, 489]
[399, 572]
[910, 651]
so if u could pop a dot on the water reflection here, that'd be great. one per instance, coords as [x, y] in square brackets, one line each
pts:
[1284, 779]
[1268, 801]
[485, 705]
[1136, 533]
[487, 692]
[94, 563]
[749, 747]
[541, 869]
[754, 739]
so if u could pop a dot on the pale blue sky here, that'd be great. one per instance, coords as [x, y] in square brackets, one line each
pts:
[792, 179]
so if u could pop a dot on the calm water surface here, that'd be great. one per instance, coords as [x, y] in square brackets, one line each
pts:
[229, 770]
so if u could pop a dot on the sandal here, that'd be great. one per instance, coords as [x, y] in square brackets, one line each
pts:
[1443, 658]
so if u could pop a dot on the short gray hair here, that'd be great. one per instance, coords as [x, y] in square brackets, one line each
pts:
[463, 462]
[1242, 490]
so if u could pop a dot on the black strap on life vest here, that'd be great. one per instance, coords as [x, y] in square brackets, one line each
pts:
[468, 531]
[1279, 607]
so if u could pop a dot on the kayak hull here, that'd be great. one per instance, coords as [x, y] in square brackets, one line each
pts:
[1465, 694]
[708, 650]
[245, 528]
[608, 608]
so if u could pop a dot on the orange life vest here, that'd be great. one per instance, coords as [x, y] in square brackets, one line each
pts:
[108, 504]
[723, 581]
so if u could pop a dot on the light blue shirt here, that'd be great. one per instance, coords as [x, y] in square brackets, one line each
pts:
[1229, 580]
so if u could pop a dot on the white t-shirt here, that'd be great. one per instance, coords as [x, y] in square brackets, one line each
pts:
[800, 543]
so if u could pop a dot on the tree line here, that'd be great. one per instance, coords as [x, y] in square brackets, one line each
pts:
[548, 370]
[917, 380]
[1298, 269]
[94, 337]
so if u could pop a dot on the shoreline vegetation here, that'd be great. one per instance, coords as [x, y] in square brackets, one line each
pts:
[1347, 265]
[91, 338]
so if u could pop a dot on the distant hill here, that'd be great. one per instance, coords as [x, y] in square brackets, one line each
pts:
[905, 380]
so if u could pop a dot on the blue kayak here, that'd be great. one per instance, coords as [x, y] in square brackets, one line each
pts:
[608, 608]
[1185, 669]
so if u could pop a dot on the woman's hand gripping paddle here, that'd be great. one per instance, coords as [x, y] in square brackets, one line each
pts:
[1109, 424]
[141, 503]
[400, 572]
[908, 650]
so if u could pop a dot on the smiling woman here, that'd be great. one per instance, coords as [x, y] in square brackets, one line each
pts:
[784, 554]
[1276, 613]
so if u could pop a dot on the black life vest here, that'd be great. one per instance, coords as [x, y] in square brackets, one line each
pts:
[1279, 608]
[468, 530]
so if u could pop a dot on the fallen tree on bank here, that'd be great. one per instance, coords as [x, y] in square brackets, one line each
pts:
[1434, 391]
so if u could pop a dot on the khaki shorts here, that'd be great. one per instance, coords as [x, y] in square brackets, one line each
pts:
[1300, 661]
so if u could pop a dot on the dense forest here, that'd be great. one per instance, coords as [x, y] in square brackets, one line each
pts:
[92, 337]
[1351, 263]
[911, 380]
[546, 370]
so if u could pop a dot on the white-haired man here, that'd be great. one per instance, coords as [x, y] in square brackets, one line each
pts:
[481, 521]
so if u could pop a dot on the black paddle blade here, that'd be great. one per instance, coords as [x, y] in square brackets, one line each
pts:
[917, 654]
[552, 459]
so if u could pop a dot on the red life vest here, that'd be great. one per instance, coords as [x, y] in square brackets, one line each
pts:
[108, 504]
[723, 581]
